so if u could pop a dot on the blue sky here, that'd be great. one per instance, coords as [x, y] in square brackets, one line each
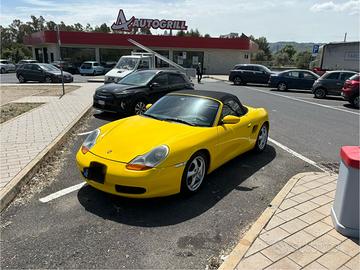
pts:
[277, 20]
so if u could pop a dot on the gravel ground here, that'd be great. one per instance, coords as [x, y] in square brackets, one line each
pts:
[11, 110]
[14, 92]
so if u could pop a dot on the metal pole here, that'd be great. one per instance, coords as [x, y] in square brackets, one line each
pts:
[61, 67]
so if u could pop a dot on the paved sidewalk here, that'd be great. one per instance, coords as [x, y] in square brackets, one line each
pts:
[24, 137]
[300, 234]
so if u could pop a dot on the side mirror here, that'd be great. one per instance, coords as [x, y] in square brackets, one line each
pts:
[148, 106]
[230, 119]
[154, 85]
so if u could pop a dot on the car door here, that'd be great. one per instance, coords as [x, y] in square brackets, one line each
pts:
[28, 72]
[308, 79]
[176, 82]
[233, 139]
[331, 82]
[37, 73]
[339, 85]
[259, 75]
[159, 86]
[293, 80]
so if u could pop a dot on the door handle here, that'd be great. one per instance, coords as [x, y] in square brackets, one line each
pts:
[249, 125]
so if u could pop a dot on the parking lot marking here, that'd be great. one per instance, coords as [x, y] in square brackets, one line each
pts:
[296, 154]
[61, 193]
[84, 133]
[301, 100]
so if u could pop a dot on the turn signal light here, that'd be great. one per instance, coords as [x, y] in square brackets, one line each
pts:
[84, 149]
[137, 167]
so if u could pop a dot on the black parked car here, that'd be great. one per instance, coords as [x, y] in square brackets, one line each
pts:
[293, 79]
[248, 73]
[131, 94]
[66, 66]
[41, 73]
[331, 83]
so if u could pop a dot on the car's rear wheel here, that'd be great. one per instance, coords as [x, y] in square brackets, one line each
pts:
[2, 70]
[194, 173]
[355, 102]
[282, 86]
[48, 79]
[21, 79]
[139, 107]
[237, 80]
[319, 93]
[262, 138]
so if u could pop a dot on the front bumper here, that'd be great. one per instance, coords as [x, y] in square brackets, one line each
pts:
[156, 182]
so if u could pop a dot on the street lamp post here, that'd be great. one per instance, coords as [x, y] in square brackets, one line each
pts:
[61, 67]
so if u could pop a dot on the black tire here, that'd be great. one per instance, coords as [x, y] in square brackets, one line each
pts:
[48, 79]
[282, 86]
[2, 70]
[355, 102]
[238, 80]
[187, 187]
[139, 106]
[21, 79]
[319, 93]
[261, 141]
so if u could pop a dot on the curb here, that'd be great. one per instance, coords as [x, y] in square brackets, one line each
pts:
[250, 236]
[9, 192]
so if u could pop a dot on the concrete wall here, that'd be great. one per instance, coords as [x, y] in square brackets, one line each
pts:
[222, 61]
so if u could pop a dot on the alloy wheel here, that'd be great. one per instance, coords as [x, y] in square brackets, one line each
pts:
[195, 173]
[263, 136]
[48, 79]
[140, 107]
[21, 79]
[237, 81]
[319, 93]
[282, 86]
[356, 102]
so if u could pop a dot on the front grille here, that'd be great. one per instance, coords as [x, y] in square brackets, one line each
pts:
[129, 190]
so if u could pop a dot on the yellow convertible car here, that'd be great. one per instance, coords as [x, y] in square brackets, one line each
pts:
[171, 147]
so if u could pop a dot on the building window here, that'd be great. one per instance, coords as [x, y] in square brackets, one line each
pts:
[246, 56]
[78, 55]
[112, 55]
[189, 59]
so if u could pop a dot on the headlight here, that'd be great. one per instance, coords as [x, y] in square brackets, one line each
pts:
[107, 78]
[149, 160]
[90, 141]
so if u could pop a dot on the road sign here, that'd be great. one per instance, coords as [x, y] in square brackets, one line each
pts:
[315, 49]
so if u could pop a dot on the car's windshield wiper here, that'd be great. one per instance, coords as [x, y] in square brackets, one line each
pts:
[151, 116]
[178, 120]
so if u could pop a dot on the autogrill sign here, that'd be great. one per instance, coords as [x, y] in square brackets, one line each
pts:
[122, 24]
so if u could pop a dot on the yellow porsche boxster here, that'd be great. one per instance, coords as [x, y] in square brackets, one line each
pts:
[171, 147]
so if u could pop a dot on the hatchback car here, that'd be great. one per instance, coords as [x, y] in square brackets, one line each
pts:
[331, 83]
[91, 68]
[25, 61]
[6, 66]
[131, 94]
[350, 90]
[248, 73]
[293, 79]
[41, 73]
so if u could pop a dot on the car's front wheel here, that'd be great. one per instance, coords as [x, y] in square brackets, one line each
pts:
[2, 70]
[139, 107]
[21, 79]
[194, 173]
[355, 102]
[237, 80]
[48, 79]
[282, 86]
[262, 138]
[319, 93]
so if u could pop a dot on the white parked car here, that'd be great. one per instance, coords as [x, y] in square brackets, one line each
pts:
[91, 68]
[6, 66]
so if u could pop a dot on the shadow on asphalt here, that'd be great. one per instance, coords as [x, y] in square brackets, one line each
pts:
[176, 209]
[107, 116]
[349, 106]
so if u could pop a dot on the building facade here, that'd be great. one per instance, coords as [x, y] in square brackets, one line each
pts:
[217, 55]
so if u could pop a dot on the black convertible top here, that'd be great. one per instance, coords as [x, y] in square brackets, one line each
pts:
[222, 96]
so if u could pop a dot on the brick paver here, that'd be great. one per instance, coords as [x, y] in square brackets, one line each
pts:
[24, 137]
[301, 235]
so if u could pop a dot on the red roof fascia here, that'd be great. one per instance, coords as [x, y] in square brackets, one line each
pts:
[105, 39]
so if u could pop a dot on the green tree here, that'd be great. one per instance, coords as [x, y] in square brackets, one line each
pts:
[303, 59]
[207, 36]
[102, 28]
[145, 31]
[181, 33]
[289, 50]
[264, 49]
[281, 59]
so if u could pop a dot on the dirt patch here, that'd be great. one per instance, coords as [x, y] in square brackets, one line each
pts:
[11, 110]
[13, 92]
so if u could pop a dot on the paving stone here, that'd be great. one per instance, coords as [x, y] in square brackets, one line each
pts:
[305, 255]
[299, 189]
[277, 251]
[319, 228]
[284, 264]
[289, 214]
[349, 247]
[287, 204]
[294, 225]
[321, 200]
[275, 221]
[312, 217]
[274, 235]
[306, 206]
[317, 192]
[325, 209]
[256, 246]
[254, 262]
[328, 221]
[302, 197]
[299, 239]
[315, 266]
[334, 233]
[333, 259]
[354, 263]
[325, 243]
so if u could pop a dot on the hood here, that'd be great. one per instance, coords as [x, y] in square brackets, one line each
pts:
[116, 88]
[138, 135]
[119, 73]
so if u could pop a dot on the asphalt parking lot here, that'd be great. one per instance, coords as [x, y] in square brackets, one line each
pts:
[89, 229]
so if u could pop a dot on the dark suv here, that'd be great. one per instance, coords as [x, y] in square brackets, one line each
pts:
[131, 94]
[41, 73]
[249, 73]
[331, 83]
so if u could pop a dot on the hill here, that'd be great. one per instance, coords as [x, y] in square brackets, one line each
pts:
[306, 46]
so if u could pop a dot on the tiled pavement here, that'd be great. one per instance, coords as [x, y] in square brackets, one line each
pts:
[301, 235]
[24, 137]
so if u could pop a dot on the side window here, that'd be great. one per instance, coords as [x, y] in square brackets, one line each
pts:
[161, 79]
[345, 76]
[28, 67]
[176, 79]
[96, 64]
[255, 68]
[294, 74]
[144, 64]
[308, 76]
[232, 107]
[333, 76]
[35, 67]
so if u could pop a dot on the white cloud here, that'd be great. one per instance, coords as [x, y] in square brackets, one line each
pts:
[352, 7]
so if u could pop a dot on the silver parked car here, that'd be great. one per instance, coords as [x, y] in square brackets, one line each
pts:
[6, 66]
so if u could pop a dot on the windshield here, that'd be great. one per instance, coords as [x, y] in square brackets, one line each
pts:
[127, 63]
[194, 111]
[138, 78]
[49, 67]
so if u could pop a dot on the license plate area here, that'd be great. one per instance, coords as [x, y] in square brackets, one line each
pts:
[96, 172]
[101, 102]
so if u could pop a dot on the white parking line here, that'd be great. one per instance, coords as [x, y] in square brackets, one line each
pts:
[84, 133]
[301, 100]
[61, 193]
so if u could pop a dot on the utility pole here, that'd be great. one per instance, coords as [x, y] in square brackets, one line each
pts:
[61, 63]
